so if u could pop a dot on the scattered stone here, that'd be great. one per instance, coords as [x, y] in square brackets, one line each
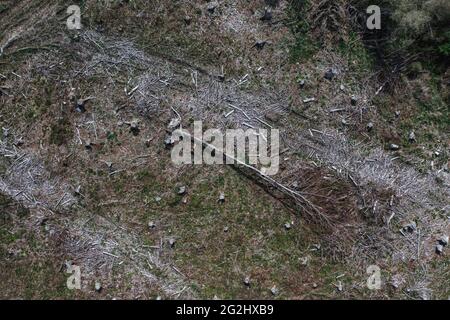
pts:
[78, 190]
[247, 281]
[369, 126]
[330, 74]
[174, 124]
[314, 285]
[344, 122]
[287, 226]
[134, 128]
[80, 106]
[88, 144]
[309, 100]
[98, 286]
[109, 164]
[439, 249]
[444, 240]
[412, 137]
[171, 242]
[181, 190]
[354, 100]
[152, 225]
[274, 290]
[397, 113]
[339, 286]
[410, 227]
[267, 14]
[225, 229]
[221, 197]
[394, 147]
[158, 199]
[169, 141]
[260, 44]
[187, 20]
[212, 6]
[342, 87]
[302, 83]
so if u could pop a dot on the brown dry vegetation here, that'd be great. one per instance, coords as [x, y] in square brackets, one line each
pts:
[356, 194]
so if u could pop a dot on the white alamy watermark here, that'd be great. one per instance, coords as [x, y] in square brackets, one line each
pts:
[74, 280]
[73, 21]
[374, 20]
[374, 280]
[256, 147]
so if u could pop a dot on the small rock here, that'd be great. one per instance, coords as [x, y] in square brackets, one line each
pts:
[394, 147]
[158, 199]
[339, 286]
[412, 137]
[342, 88]
[181, 190]
[443, 240]
[274, 290]
[134, 128]
[98, 286]
[174, 123]
[169, 141]
[80, 106]
[172, 242]
[302, 83]
[314, 285]
[19, 142]
[187, 20]
[369, 126]
[287, 226]
[344, 122]
[88, 144]
[397, 113]
[267, 15]
[354, 100]
[225, 229]
[78, 190]
[152, 225]
[221, 197]
[260, 44]
[109, 164]
[247, 281]
[439, 249]
[309, 100]
[212, 6]
[330, 74]
[410, 227]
